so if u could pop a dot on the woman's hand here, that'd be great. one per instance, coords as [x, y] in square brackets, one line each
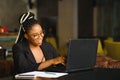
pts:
[54, 61]
[59, 60]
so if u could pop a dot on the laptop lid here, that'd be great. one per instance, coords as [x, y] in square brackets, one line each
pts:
[81, 54]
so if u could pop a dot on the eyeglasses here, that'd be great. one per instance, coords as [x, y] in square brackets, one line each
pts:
[37, 36]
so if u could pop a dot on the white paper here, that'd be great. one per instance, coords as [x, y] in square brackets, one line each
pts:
[45, 74]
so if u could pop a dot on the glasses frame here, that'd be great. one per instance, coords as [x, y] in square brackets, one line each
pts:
[37, 36]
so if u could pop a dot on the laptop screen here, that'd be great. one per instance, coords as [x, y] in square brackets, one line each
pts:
[81, 54]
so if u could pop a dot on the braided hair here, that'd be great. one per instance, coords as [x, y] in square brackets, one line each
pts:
[26, 21]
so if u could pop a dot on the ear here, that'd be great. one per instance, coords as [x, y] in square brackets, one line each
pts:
[26, 36]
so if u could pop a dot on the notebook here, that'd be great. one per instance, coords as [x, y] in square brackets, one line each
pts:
[81, 54]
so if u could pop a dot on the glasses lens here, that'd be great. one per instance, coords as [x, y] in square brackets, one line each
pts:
[42, 34]
[37, 36]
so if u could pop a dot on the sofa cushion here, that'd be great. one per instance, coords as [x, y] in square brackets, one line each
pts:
[107, 62]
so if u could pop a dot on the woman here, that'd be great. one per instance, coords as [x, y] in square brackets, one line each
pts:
[30, 51]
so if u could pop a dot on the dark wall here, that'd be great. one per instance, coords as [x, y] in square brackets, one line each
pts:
[85, 18]
[10, 10]
[47, 8]
[48, 14]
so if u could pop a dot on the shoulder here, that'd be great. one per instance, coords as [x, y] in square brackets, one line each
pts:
[49, 50]
[46, 44]
[48, 47]
[19, 45]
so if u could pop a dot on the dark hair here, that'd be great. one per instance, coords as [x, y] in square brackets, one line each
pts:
[26, 21]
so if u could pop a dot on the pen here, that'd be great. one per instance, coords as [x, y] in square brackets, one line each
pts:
[25, 75]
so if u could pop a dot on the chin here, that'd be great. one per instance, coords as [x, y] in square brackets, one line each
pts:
[40, 44]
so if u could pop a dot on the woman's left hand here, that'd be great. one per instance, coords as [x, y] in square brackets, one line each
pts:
[59, 60]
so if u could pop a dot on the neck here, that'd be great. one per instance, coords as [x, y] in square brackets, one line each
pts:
[33, 46]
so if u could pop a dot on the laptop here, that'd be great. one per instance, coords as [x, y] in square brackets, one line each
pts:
[81, 54]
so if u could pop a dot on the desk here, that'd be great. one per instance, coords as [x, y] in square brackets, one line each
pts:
[96, 74]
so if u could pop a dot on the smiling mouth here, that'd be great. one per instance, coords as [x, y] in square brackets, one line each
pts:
[39, 41]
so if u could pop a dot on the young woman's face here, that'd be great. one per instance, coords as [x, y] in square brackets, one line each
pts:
[35, 35]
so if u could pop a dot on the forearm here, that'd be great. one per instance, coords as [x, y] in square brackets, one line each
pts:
[45, 64]
[48, 63]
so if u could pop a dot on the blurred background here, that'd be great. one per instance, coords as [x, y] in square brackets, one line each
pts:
[64, 20]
